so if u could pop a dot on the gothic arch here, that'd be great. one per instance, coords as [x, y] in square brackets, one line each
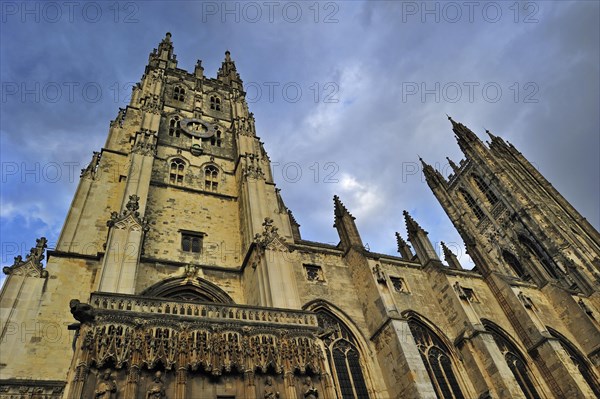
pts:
[516, 361]
[188, 289]
[580, 361]
[348, 357]
[440, 360]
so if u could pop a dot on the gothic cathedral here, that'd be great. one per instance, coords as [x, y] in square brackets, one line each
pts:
[181, 274]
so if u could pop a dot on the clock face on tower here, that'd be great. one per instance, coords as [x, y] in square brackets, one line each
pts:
[197, 128]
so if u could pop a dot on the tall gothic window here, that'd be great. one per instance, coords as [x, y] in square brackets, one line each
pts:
[579, 361]
[343, 356]
[485, 189]
[211, 178]
[174, 128]
[515, 360]
[176, 171]
[179, 93]
[472, 204]
[438, 361]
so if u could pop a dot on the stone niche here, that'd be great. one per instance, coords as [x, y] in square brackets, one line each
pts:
[197, 385]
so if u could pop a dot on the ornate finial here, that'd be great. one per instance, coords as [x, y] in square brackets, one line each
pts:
[168, 36]
[269, 233]
[450, 258]
[132, 207]
[403, 247]
[227, 56]
[411, 225]
[454, 166]
[32, 265]
[339, 208]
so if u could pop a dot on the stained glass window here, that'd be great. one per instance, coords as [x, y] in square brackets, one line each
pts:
[516, 362]
[435, 355]
[343, 356]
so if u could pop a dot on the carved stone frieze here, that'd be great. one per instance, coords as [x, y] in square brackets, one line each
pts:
[34, 389]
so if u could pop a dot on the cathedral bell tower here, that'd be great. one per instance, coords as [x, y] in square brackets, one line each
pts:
[503, 206]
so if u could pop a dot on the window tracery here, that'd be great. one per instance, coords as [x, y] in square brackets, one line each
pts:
[343, 356]
[485, 189]
[211, 178]
[437, 360]
[516, 362]
[179, 93]
[176, 171]
[472, 204]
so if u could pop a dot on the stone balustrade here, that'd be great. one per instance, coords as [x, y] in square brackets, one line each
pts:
[203, 310]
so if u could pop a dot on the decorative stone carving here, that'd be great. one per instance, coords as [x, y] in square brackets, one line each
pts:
[157, 388]
[252, 168]
[270, 392]
[585, 308]
[525, 300]
[106, 387]
[308, 389]
[32, 265]
[90, 170]
[145, 143]
[270, 237]
[81, 311]
[129, 218]
[459, 290]
[379, 274]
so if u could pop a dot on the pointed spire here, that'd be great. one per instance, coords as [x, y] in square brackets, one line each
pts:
[450, 258]
[411, 225]
[339, 208]
[419, 240]
[454, 166]
[432, 176]
[403, 247]
[163, 57]
[228, 73]
[463, 134]
[344, 223]
[199, 69]
[165, 48]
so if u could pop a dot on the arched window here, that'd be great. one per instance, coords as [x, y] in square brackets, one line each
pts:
[215, 103]
[485, 189]
[176, 171]
[472, 204]
[179, 93]
[211, 178]
[343, 356]
[515, 360]
[216, 139]
[437, 360]
[186, 289]
[538, 255]
[578, 360]
[174, 128]
[514, 263]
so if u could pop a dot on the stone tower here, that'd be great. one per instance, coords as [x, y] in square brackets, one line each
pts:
[180, 273]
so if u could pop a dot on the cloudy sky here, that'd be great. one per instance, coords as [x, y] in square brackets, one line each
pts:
[346, 96]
